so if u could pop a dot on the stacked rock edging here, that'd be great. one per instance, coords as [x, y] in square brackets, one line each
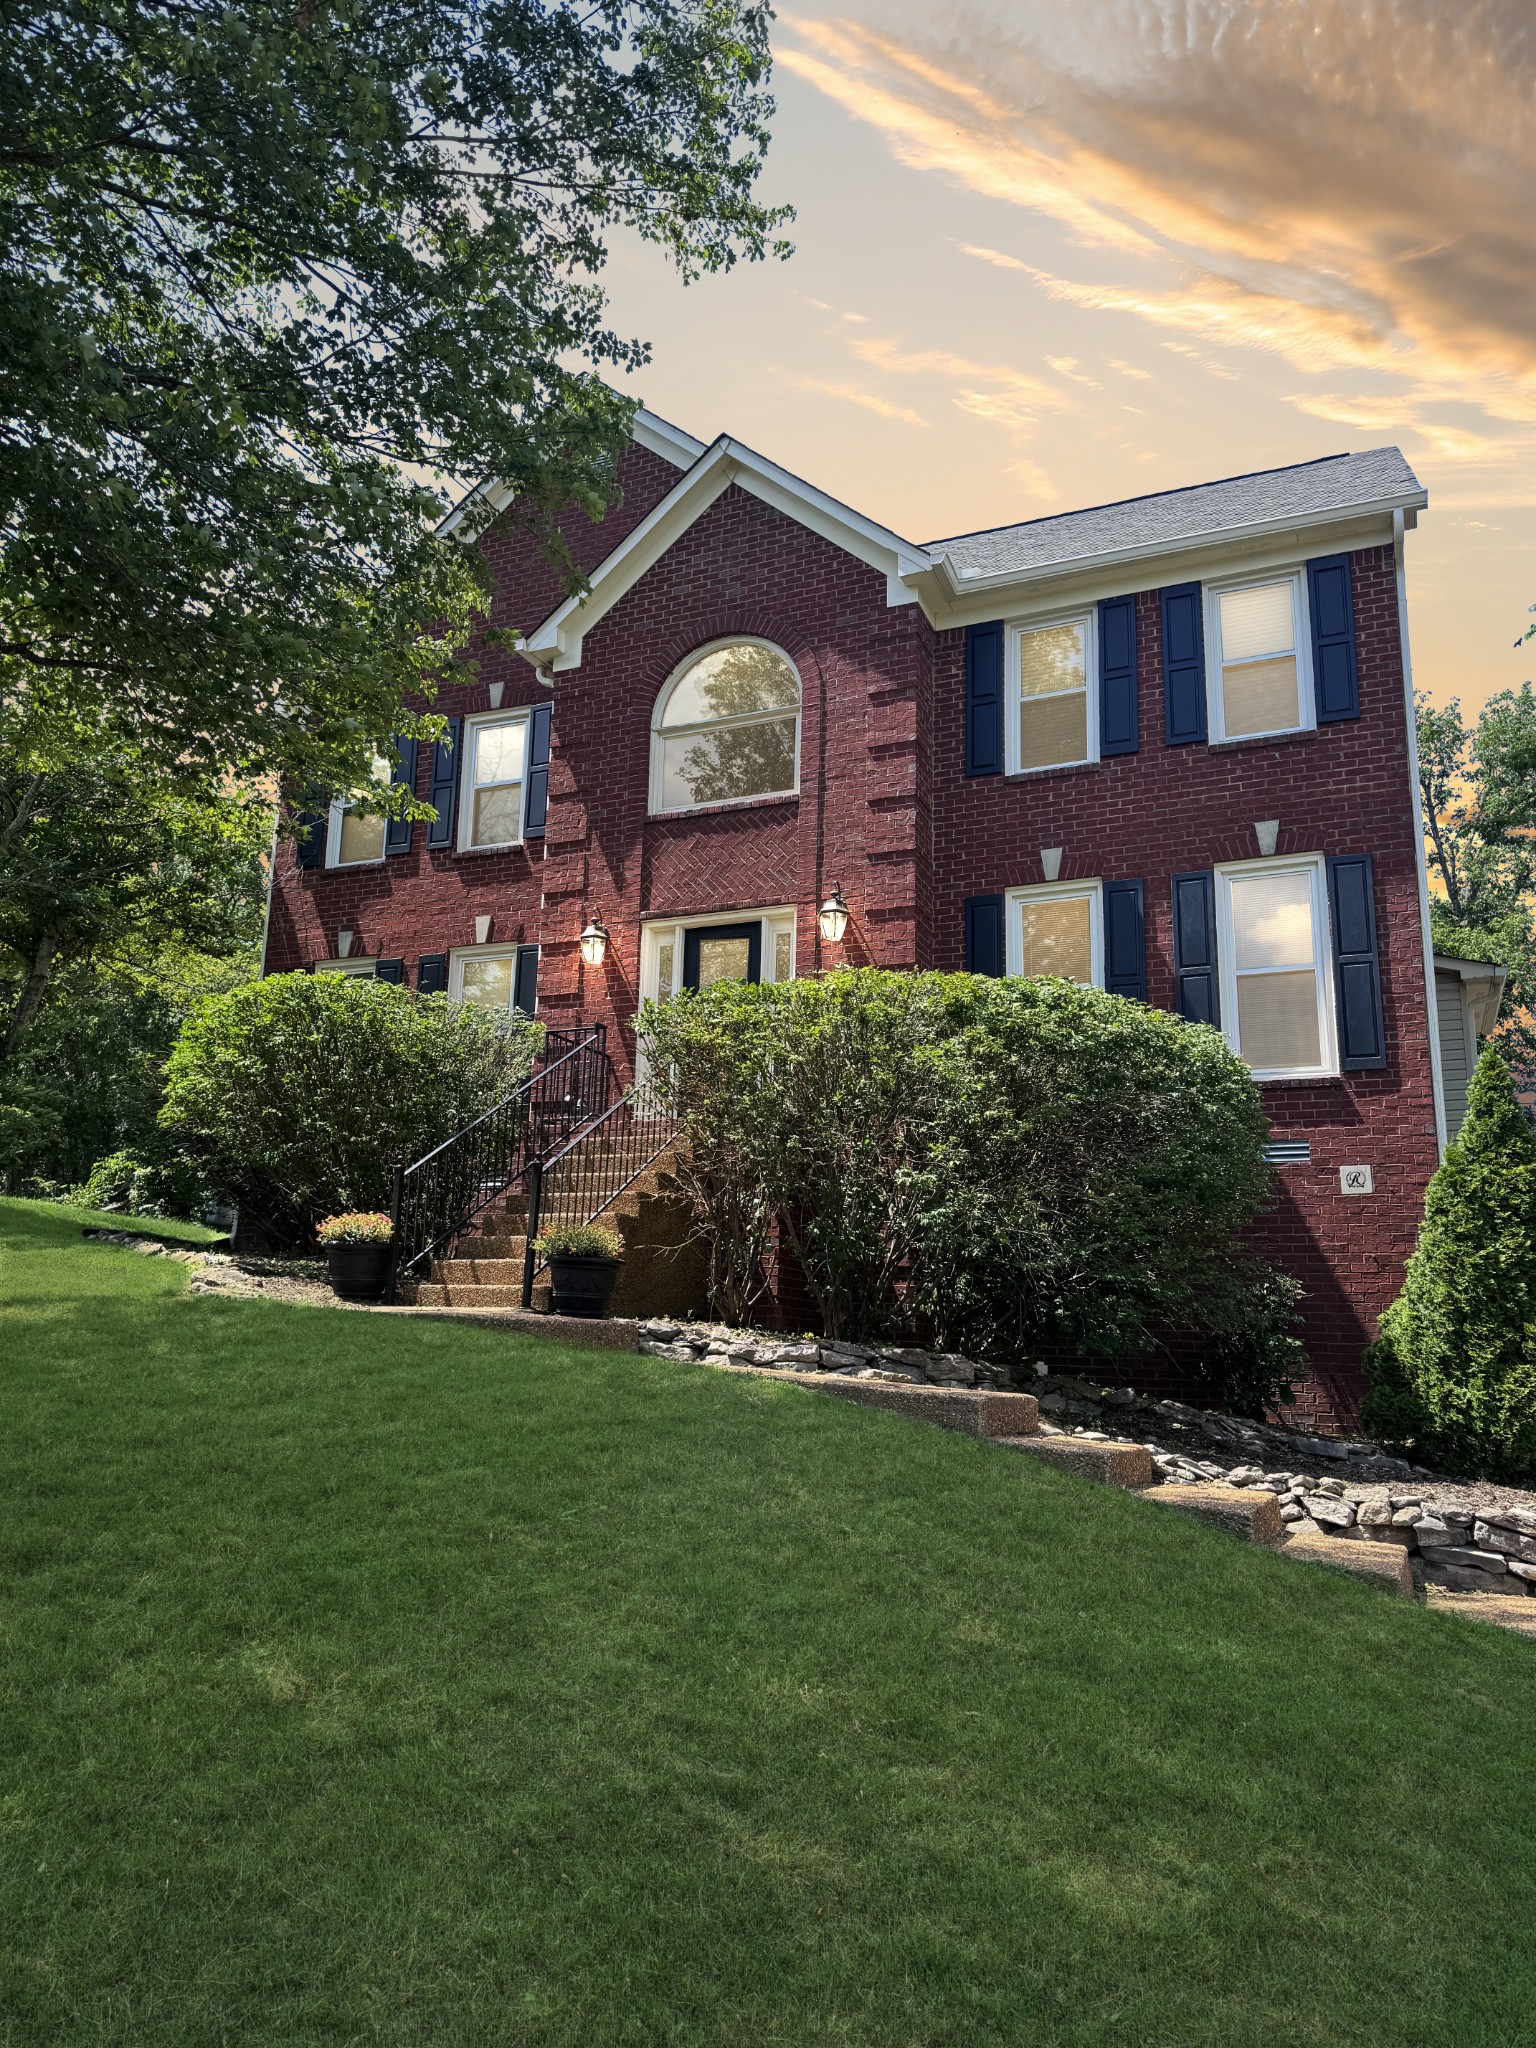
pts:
[1464, 1536]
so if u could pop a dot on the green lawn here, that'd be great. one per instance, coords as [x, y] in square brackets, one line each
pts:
[378, 1682]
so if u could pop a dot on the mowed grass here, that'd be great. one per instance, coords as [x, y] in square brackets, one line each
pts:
[374, 1681]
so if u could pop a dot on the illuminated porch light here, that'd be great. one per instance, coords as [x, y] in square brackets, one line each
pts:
[594, 941]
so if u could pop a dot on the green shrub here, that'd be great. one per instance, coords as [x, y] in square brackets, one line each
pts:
[299, 1093]
[579, 1241]
[164, 1186]
[1453, 1373]
[1008, 1165]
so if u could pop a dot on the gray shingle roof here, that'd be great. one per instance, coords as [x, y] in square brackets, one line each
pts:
[1335, 483]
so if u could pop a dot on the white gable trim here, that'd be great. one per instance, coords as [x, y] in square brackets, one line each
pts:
[662, 438]
[556, 644]
[650, 431]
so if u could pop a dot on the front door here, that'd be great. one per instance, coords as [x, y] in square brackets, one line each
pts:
[722, 952]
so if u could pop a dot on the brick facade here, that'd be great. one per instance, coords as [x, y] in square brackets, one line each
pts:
[885, 810]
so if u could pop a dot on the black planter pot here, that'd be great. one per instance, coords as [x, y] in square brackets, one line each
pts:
[360, 1272]
[581, 1287]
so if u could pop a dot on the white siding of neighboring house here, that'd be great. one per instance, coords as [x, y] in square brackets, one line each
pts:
[1458, 1047]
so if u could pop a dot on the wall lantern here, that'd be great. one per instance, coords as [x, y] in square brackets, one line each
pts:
[832, 918]
[594, 941]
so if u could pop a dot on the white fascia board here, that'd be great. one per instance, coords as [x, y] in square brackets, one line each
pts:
[649, 430]
[1245, 551]
[662, 438]
[497, 496]
[555, 645]
[1373, 512]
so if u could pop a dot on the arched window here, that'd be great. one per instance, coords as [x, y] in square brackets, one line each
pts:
[727, 727]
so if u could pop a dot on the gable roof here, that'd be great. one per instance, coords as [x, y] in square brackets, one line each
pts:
[949, 578]
[650, 430]
[556, 644]
[1378, 480]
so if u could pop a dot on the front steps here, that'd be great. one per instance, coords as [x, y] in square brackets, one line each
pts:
[663, 1272]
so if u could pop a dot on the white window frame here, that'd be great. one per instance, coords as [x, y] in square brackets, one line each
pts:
[337, 811]
[463, 838]
[1054, 892]
[1306, 701]
[778, 917]
[500, 951]
[1314, 865]
[654, 804]
[1014, 698]
[355, 970]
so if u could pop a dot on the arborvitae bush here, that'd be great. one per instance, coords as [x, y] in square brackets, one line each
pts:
[1453, 1374]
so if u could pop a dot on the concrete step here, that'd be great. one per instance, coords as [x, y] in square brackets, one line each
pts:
[1128, 1466]
[504, 1271]
[1245, 1511]
[1384, 1564]
[459, 1294]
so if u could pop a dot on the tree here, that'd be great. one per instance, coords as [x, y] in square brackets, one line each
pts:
[269, 275]
[1478, 790]
[98, 860]
[1453, 1373]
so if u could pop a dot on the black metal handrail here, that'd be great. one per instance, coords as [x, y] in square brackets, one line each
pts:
[436, 1198]
[588, 1173]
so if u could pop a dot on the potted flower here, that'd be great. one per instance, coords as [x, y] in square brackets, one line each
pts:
[359, 1248]
[584, 1261]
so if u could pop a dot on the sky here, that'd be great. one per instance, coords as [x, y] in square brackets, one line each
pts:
[1053, 253]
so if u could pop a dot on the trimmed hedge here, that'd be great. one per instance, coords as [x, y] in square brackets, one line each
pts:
[299, 1093]
[1009, 1165]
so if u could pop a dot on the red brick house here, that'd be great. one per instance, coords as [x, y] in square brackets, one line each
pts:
[1164, 745]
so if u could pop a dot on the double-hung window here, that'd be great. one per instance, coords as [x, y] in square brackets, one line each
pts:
[1057, 929]
[1259, 674]
[1273, 944]
[488, 977]
[495, 775]
[1054, 711]
[353, 837]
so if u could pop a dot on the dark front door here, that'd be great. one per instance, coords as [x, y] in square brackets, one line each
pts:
[722, 952]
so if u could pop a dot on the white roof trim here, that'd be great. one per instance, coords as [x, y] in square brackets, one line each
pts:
[650, 431]
[662, 438]
[556, 644]
[1483, 981]
[1183, 544]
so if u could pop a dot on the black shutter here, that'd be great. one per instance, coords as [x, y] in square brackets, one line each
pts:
[311, 841]
[536, 801]
[445, 784]
[525, 980]
[984, 699]
[1196, 992]
[1125, 943]
[389, 970]
[397, 833]
[1183, 664]
[1356, 967]
[1335, 679]
[1119, 732]
[984, 948]
[432, 974]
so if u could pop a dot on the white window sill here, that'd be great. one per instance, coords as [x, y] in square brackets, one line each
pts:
[1050, 768]
[730, 803]
[506, 846]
